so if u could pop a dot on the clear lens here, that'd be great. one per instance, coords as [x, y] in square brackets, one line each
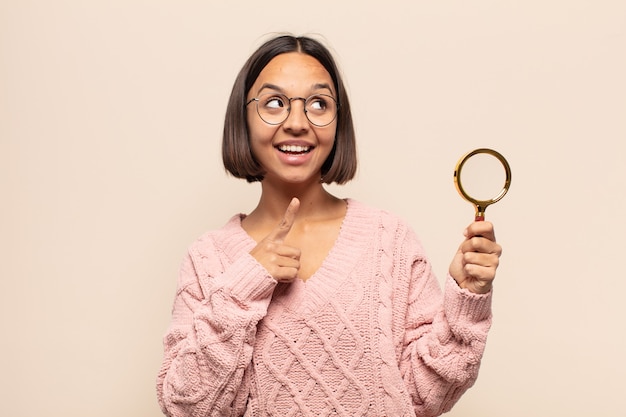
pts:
[273, 108]
[320, 109]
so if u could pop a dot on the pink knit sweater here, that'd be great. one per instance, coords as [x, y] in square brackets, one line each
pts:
[369, 334]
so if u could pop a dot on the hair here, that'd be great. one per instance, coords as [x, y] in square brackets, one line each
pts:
[341, 164]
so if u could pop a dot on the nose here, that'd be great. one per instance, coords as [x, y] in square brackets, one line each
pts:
[296, 119]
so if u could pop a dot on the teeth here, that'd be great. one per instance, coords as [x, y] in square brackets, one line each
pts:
[294, 148]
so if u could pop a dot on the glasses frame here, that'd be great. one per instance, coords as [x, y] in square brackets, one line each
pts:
[290, 99]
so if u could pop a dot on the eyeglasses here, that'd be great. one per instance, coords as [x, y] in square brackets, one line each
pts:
[273, 109]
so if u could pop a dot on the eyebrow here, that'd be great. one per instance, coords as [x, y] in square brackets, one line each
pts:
[318, 86]
[270, 87]
[321, 86]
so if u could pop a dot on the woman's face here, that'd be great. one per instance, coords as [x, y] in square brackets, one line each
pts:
[295, 150]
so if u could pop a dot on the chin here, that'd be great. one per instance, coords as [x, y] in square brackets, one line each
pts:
[299, 179]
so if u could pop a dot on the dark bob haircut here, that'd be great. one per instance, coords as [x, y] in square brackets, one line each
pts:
[339, 167]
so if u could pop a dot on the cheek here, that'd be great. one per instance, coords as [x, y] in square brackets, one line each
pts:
[327, 136]
[260, 136]
[258, 131]
[256, 146]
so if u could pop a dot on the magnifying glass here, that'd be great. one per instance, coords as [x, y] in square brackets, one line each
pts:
[480, 203]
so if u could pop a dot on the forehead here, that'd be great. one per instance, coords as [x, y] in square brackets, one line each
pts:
[293, 70]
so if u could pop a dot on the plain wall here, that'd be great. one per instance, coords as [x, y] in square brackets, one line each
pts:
[110, 125]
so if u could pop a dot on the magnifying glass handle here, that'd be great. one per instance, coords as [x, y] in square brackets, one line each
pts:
[480, 213]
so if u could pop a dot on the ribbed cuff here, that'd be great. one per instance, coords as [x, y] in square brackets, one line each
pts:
[247, 281]
[462, 305]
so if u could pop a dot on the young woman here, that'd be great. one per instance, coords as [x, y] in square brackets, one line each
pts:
[313, 305]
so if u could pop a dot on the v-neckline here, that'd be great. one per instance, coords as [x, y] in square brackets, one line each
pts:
[308, 296]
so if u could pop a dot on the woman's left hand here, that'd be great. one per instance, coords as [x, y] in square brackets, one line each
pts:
[475, 263]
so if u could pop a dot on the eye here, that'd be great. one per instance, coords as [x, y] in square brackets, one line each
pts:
[317, 103]
[274, 102]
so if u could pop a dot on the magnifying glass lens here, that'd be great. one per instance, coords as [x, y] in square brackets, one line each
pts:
[486, 178]
[483, 176]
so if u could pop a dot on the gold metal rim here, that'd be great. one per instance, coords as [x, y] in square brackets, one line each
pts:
[481, 205]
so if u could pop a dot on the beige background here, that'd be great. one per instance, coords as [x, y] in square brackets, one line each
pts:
[110, 122]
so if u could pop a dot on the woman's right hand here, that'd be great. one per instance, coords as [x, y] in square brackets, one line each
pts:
[280, 260]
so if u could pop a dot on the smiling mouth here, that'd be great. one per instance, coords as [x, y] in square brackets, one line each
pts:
[294, 149]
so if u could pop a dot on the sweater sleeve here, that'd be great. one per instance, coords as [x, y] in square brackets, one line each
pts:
[209, 343]
[444, 335]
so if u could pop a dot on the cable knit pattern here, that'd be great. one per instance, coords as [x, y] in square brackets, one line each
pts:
[369, 334]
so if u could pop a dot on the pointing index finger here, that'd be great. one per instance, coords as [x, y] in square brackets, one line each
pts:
[283, 229]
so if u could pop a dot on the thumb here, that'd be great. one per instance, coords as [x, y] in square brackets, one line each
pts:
[284, 227]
